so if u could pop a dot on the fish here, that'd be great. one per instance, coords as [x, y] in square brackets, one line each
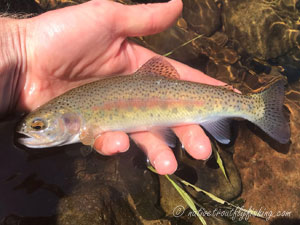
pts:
[152, 98]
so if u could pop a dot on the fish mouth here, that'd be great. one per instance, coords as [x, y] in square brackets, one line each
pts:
[22, 136]
[32, 142]
[26, 140]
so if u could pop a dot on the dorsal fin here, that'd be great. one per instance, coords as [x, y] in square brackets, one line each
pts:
[158, 66]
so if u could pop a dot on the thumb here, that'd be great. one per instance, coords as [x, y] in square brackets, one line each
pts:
[145, 19]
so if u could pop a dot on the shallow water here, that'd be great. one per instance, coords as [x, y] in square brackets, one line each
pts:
[31, 183]
[39, 187]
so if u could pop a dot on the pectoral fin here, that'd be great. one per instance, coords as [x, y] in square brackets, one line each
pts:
[219, 129]
[165, 134]
[87, 137]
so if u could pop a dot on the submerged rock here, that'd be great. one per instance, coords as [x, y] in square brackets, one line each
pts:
[203, 17]
[94, 203]
[264, 29]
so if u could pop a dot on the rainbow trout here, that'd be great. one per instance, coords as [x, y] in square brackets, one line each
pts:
[151, 97]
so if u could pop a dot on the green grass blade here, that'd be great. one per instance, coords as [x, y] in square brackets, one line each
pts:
[219, 161]
[187, 199]
[221, 201]
[182, 45]
[184, 195]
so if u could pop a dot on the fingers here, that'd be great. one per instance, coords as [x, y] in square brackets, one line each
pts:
[111, 143]
[145, 19]
[195, 141]
[159, 154]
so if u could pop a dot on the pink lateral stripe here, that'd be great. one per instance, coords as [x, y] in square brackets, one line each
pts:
[147, 104]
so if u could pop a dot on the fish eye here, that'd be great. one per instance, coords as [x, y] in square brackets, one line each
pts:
[38, 124]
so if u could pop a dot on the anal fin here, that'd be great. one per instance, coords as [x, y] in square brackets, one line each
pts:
[219, 129]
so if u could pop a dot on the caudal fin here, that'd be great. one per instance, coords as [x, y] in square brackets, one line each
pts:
[273, 122]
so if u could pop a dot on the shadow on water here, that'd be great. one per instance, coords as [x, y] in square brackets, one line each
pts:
[72, 184]
[31, 183]
[281, 148]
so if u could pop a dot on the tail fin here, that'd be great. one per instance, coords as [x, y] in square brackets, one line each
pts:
[273, 122]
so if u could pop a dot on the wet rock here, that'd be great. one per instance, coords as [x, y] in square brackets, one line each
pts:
[20, 7]
[264, 29]
[170, 200]
[203, 17]
[55, 4]
[213, 221]
[166, 41]
[209, 176]
[19, 220]
[206, 175]
[141, 184]
[95, 203]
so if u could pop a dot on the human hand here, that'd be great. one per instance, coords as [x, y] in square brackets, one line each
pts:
[72, 46]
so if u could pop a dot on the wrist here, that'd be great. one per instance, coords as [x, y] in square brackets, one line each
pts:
[12, 63]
